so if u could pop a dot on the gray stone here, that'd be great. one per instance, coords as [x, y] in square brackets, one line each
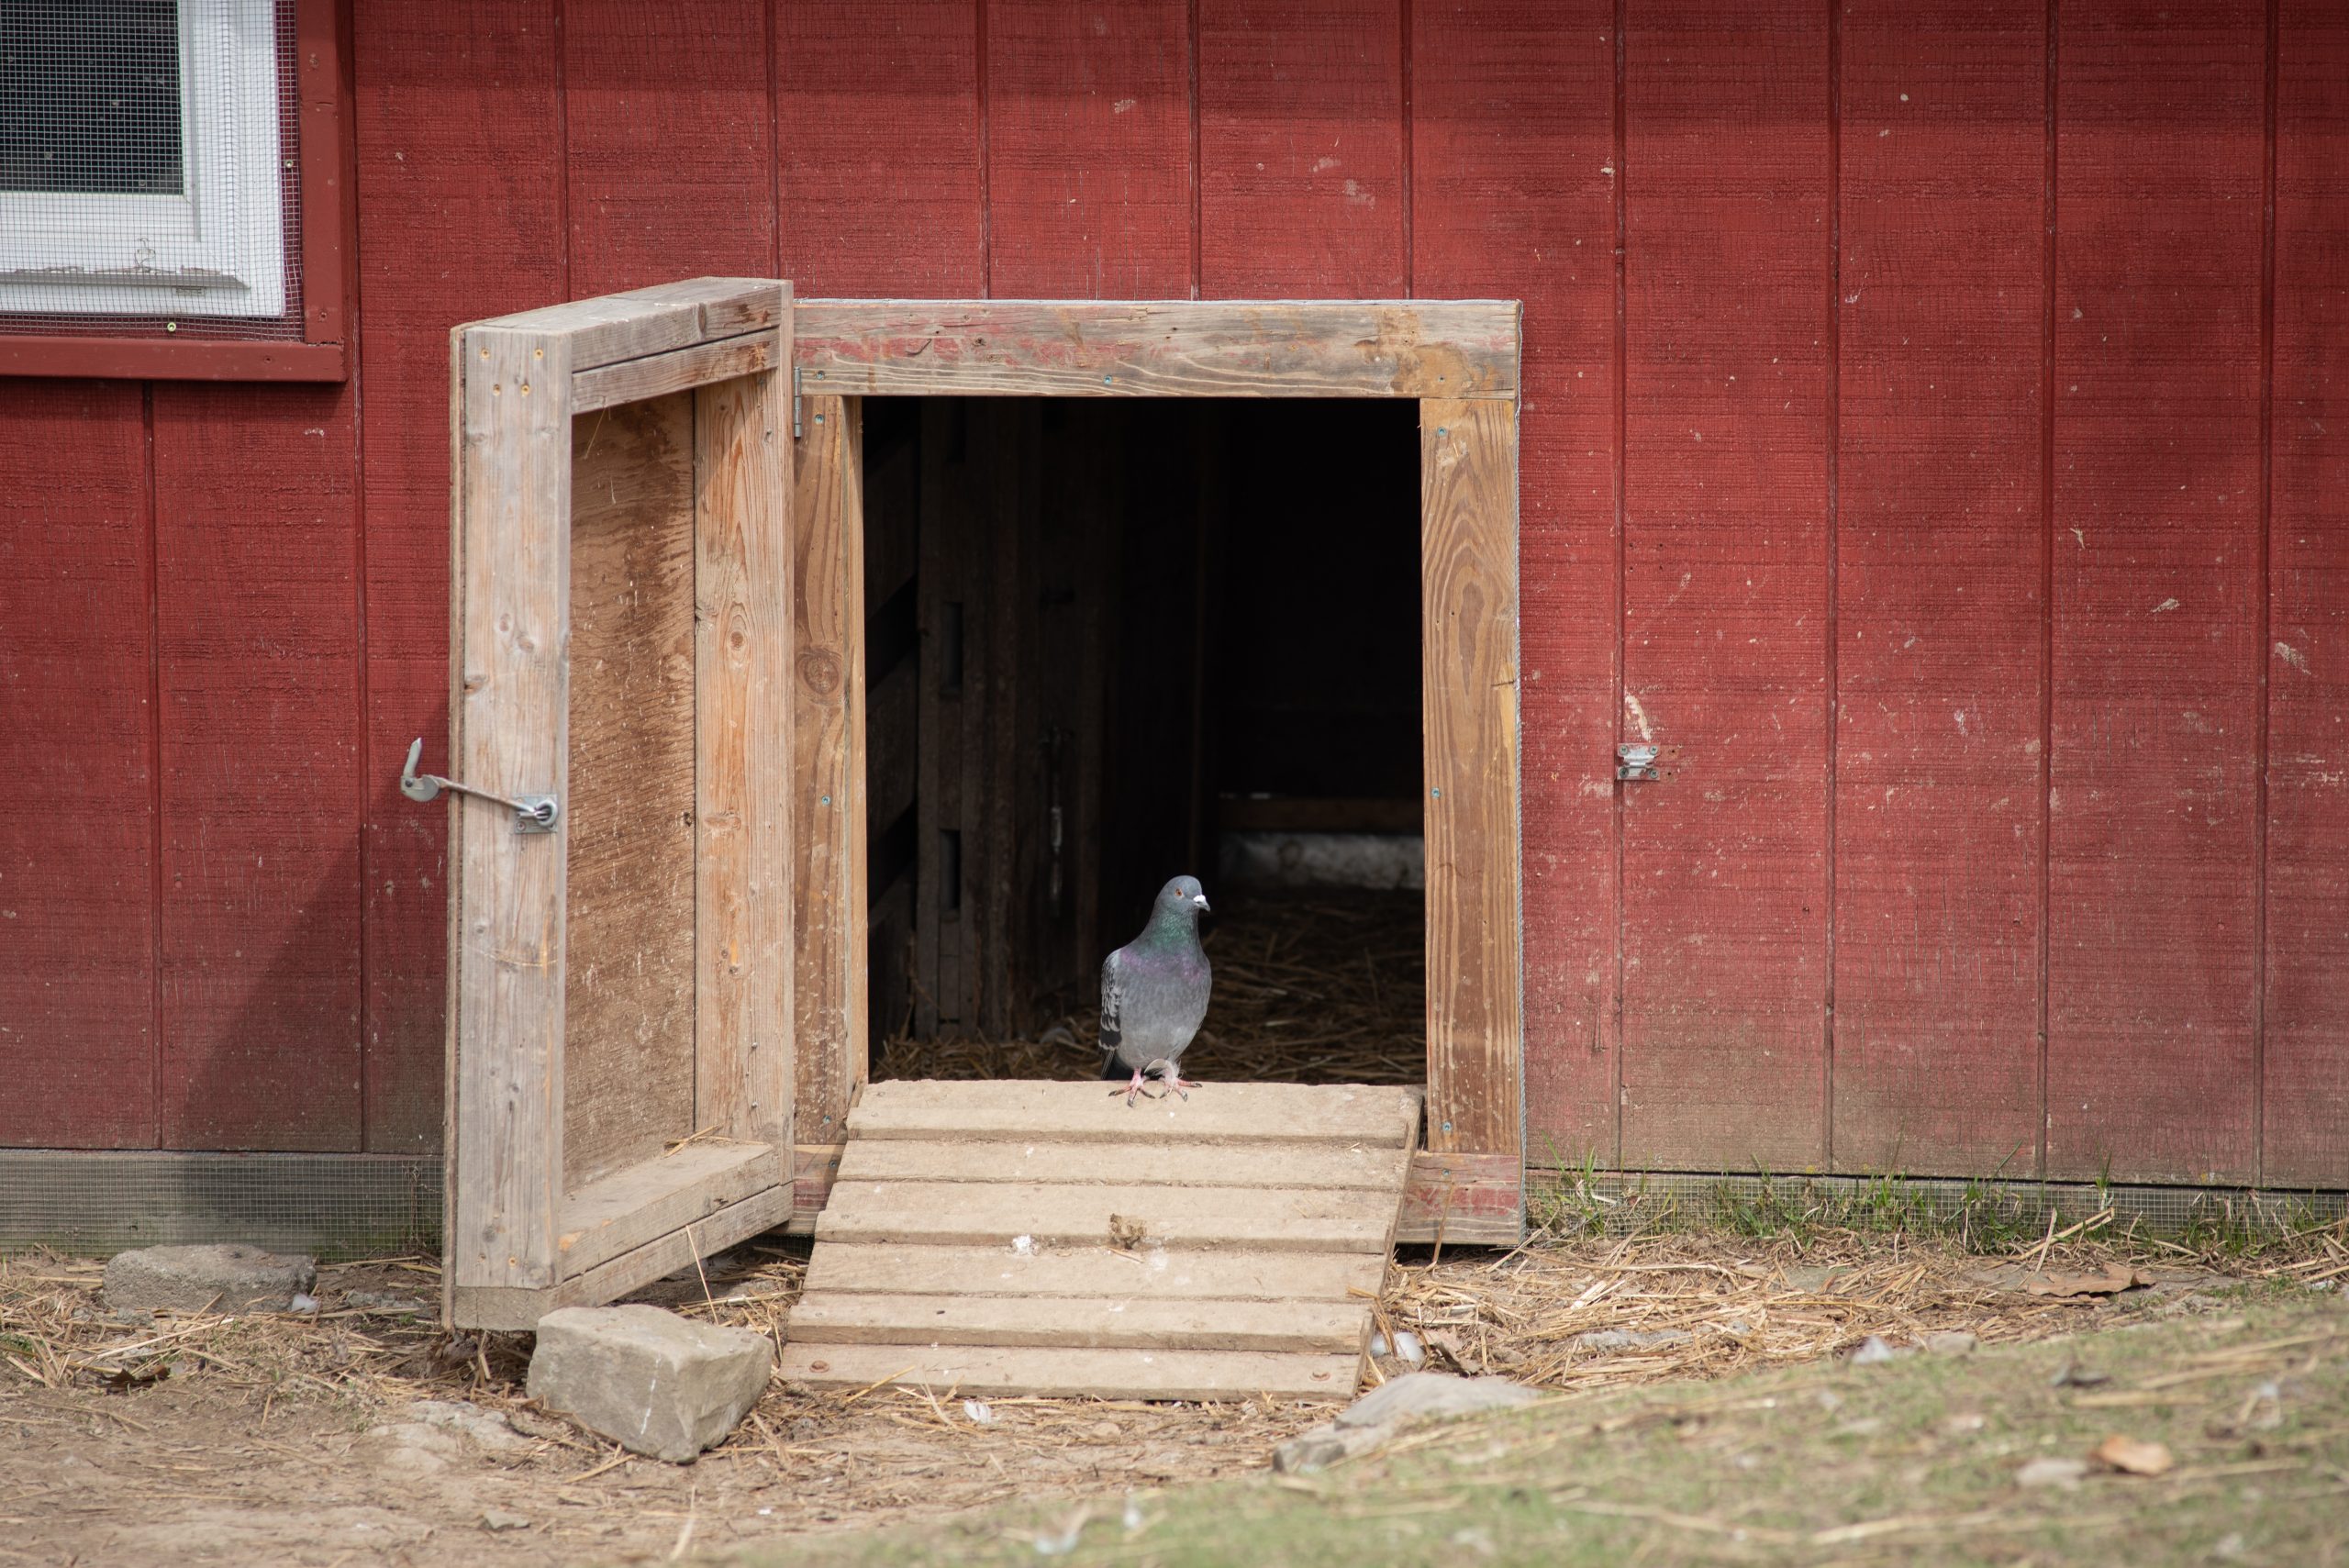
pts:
[378, 1302]
[408, 1449]
[1875, 1351]
[1394, 1407]
[1950, 1342]
[463, 1415]
[2053, 1472]
[649, 1380]
[227, 1278]
[1419, 1397]
[499, 1520]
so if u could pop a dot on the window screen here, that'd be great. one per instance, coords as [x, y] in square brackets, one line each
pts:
[149, 168]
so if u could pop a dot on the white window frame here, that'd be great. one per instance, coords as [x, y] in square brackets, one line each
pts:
[216, 249]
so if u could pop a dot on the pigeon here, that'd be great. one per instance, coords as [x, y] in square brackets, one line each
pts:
[1155, 992]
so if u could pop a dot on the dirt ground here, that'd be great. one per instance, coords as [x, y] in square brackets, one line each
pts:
[301, 1440]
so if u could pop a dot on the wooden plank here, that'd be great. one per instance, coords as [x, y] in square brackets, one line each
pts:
[471, 246]
[1300, 148]
[1219, 1113]
[666, 111]
[1514, 183]
[1088, 149]
[642, 1203]
[2305, 1135]
[1328, 1328]
[1357, 1166]
[2152, 871]
[676, 371]
[1727, 280]
[1154, 1272]
[841, 163]
[657, 319]
[980, 1371]
[507, 978]
[1467, 1199]
[743, 805]
[1468, 635]
[814, 1168]
[628, 991]
[257, 664]
[77, 845]
[829, 777]
[969, 1214]
[1938, 679]
[1125, 349]
[511, 1307]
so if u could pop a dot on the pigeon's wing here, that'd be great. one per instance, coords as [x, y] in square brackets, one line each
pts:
[1113, 1003]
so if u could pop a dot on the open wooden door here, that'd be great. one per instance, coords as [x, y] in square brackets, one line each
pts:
[621, 1070]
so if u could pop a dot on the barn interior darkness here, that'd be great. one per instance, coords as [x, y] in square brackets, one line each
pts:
[1110, 641]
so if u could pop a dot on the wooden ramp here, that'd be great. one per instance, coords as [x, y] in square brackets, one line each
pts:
[1044, 1238]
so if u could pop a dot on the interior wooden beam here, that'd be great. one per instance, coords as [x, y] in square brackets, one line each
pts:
[1152, 348]
[621, 1212]
[630, 381]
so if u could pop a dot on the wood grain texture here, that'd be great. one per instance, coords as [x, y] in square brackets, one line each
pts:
[657, 318]
[1105, 1323]
[972, 1214]
[656, 375]
[1470, 1199]
[1146, 349]
[1513, 196]
[1222, 1113]
[622, 1211]
[983, 1372]
[2305, 1139]
[1938, 678]
[665, 113]
[829, 777]
[1725, 585]
[458, 158]
[744, 800]
[2152, 871]
[878, 112]
[629, 1013]
[1337, 1166]
[77, 846]
[512, 1307]
[1088, 149]
[1147, 1274]
[257, 648]
[1300, 135]
[1468, 642]
[511, 725]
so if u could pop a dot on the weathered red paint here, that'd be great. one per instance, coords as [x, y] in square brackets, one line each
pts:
[221, 926]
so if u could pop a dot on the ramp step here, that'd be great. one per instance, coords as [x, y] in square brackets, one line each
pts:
[983, 1371]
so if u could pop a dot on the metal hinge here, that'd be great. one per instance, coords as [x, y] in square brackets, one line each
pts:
[797, 430]
[532, 813]
[1636, 761]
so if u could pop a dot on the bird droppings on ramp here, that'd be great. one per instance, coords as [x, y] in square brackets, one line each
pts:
[1044, 1238]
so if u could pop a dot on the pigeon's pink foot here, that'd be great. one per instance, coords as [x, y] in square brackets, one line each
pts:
[1130, 1091]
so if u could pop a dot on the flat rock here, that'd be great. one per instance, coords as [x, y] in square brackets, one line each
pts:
[463, 1415]
[230, 1277]
[1394, 1407]
[648, 1379]
[2053, 1472]
[1950, 1342]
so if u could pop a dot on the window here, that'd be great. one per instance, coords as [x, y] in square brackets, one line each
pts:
[145, 160]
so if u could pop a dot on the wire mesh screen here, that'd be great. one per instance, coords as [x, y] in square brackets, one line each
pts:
[149, 167]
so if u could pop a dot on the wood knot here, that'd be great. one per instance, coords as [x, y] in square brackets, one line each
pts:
[819, 671]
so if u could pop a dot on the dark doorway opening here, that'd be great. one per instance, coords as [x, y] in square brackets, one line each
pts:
[1108, 642]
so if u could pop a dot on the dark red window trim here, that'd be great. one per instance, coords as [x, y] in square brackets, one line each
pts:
[327, 217]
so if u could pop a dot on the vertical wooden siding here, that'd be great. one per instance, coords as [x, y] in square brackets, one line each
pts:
[1809, 425]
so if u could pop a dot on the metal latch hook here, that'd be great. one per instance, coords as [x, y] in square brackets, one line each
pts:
[532, 813]
[1632, 761]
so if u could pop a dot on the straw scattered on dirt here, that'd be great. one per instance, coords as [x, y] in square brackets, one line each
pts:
[1309, 988]
[298, 1439]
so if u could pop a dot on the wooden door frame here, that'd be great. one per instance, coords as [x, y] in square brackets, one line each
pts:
[1459, 361]
[521, 1236]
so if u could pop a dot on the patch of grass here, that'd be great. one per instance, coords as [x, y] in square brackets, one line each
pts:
[1913, 1462]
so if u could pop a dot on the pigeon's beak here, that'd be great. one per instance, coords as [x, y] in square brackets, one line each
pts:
[1200, 899]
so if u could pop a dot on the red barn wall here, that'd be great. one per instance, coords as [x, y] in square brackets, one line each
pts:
[1936, 425]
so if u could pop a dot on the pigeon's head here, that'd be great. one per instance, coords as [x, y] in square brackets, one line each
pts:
[1184, 894]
